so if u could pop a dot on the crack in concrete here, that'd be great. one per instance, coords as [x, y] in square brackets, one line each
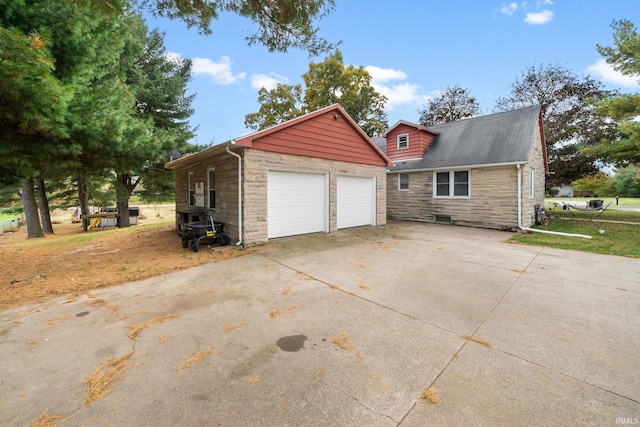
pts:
[569, 376]
[339, 289]
[531, 361]
[356, 400]
[455, 355]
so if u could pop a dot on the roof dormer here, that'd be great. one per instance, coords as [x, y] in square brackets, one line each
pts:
[406, 140]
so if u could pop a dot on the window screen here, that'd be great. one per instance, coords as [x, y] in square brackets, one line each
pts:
[442, 184]
[461, 183]
[212, 188]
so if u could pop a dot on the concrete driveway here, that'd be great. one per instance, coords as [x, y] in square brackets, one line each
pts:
[343, 330]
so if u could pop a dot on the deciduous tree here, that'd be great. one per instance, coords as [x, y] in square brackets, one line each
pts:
[282, 103]
[326, 83]
[330, 81]
[600, 184]
[453, 104]
[570, 119]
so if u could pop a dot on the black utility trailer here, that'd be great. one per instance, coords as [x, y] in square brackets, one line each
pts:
[194, 226]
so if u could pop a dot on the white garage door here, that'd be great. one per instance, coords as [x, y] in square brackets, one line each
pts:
[297, 203]
[356, 201]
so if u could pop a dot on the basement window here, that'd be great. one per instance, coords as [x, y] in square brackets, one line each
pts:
[443, 219]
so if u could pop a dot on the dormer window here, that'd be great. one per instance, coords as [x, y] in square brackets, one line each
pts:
[403, 141]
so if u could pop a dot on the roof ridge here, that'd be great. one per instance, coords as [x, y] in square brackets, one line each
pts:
[489, 115]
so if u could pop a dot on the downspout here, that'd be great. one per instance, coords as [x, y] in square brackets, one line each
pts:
[535, 230]
[239, 242]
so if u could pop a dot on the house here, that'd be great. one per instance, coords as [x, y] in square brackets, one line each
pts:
[565, 190]
[317, 173]
[486, 171]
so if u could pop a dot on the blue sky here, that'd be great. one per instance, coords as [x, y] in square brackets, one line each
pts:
[413, 49]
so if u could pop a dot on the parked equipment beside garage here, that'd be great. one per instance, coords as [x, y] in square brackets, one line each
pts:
[194, 226]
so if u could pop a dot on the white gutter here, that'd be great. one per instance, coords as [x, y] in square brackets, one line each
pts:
[239, 242]
[449, 168]
[535, 230]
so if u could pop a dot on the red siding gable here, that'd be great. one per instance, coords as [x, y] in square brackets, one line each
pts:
[419, 140]
[328, 133]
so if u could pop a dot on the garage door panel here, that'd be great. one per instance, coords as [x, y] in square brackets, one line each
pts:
[356, 201]
[297, 203]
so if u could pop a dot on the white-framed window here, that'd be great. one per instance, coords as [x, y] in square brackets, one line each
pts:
[403, 181]
[211, 185]
[532, 179]
[192, 190]
[452, 184]
[403, 141]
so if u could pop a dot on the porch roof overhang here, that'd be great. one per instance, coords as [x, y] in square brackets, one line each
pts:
[194, 157]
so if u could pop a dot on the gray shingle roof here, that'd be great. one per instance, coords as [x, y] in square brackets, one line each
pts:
[493, 139]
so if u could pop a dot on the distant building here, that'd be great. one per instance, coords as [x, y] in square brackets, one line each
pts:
[565, 190]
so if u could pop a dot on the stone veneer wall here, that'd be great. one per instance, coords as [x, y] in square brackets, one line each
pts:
[257, 163]
[494, 195]
[492, 202]
[536, 161]
[226, 167]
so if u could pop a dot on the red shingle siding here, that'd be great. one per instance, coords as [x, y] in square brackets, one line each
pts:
[425, 141]
[322, 136]
[418, 142]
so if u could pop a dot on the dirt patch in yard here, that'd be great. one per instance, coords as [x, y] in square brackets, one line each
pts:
[73, 262]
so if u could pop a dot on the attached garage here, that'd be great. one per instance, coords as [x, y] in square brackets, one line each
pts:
[316, 173]
[297, 203]
[356, 201]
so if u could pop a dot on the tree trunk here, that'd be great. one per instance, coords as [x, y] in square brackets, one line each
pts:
[31, 209]
[122, 200]
[83, 201]
[43, 206]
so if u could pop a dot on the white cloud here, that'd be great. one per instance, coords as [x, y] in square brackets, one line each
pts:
[398, 94]
[509, 9]
[541, 3]
[407, 94]
[539, 18]
[606, 73]
[381, 75]
[220, 72]
[269, 82]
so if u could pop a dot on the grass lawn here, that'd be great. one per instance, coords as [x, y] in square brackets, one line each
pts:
[618, 239]
[5, 216]
[622, 201]
[608, 215]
